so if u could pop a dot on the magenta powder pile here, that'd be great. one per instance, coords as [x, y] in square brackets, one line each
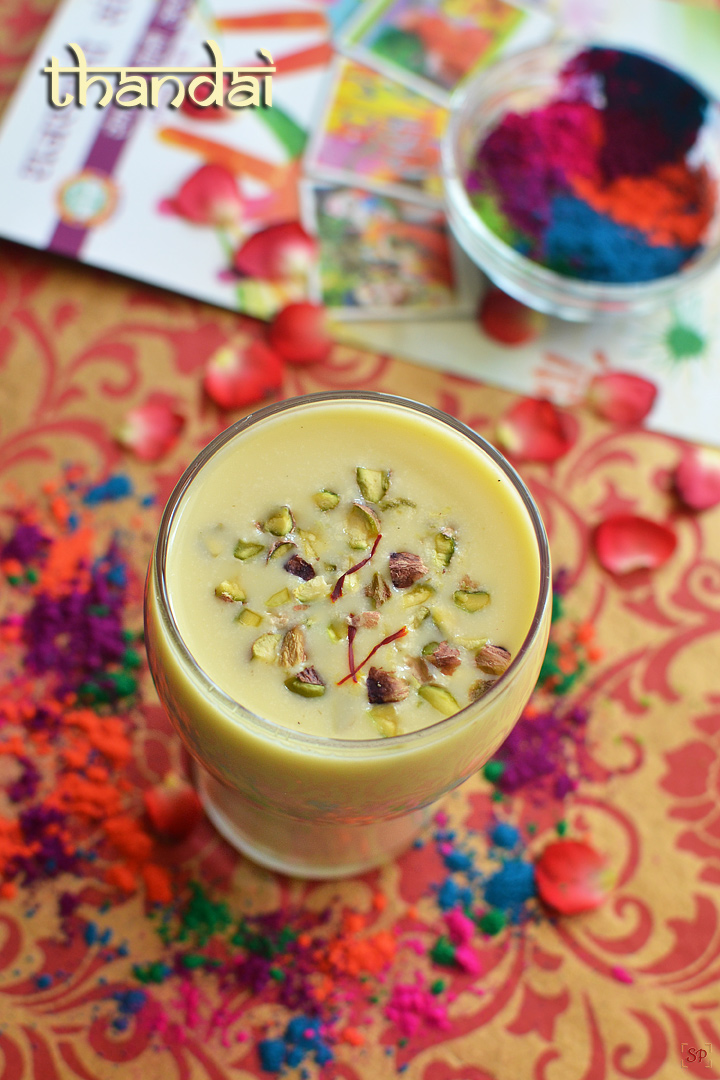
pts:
[597, 184]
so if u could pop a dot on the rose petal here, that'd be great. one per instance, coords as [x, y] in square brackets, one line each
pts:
[151, 430]
[240, 375]
[209, 197]
[624, 543]
[535, 430]
[207, 112]
[571, 877]
[173, 807]
[277, 253]
[697, 478]
[621, 397]
[505, 319]
[299, 333]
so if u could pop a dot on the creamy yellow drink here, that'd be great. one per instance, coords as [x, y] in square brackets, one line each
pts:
[450, 558]
[346, 613]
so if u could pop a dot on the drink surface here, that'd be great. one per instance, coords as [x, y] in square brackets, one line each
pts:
[269, 526]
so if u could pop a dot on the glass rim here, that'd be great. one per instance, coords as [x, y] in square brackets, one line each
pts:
[360, 747]
[472, 92]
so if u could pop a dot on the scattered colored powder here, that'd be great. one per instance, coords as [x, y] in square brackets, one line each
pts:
[622, 975]
[65, 720]
[599, 183]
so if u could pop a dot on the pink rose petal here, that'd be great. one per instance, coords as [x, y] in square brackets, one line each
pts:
[535, 430]
[240, 375]
[209, 197]
[151, 430]
[624, 543]
[299, 333]
[506, 320]
[571, 877]
[621, 397]
[697, 478]
[278, 253]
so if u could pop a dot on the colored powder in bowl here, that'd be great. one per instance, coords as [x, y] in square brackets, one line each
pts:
[601, 183]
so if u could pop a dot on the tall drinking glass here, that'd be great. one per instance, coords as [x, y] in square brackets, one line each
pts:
[311, 805]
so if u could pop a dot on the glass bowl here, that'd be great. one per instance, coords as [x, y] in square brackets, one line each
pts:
[318, 806]
[520, 83]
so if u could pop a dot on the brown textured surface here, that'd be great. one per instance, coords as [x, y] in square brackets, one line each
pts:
[78, 348]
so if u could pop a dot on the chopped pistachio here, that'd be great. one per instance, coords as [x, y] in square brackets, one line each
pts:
[308, 592]
[385, 686]
[280, 522]
[326, 500]
[471, 601]
[418, 594]
[373, 483]
[443, 622]
[265, 648]
[430, 648]
[493, 659]
[480, 688]
[307, 683]
[385, 719]
[310, 542]
[472, 644]
[406, 569]
[231, 592]
[417, 618]
[278, 599]
[440, 698]
[214, 540]
[249, 618]
[279, 549]
[362, 526]
[378, 590]
[445, 658]
[444, 547]
[297, 566]
[247, 549]
[338, 630]
[292, 651]
[395, 504]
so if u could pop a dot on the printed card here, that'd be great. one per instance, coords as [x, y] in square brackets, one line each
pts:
[377, 134]
[431, 46]
[382, 257]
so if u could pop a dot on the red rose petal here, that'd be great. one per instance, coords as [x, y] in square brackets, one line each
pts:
[207, 112]
[624, 543]
[278, 253]
[173, 808]
[571, 877]
[621, 397]
[151, 430]
[209, 197]
[505, 319]
[535, 430]
[240, 375]
[697, 478]
[299, 333]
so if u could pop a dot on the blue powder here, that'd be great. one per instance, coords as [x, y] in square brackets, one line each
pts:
[450, 895]
[511, 886]
[114, 488]
[43, 981]
[272, 1054]
[505, 836]
[91, 934]
[583, 244]
[457, 860]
